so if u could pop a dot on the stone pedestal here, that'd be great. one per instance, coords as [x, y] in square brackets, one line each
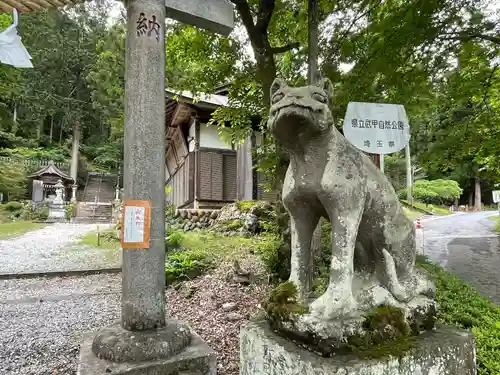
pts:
[56, 212]
[56, 207]
[196, 357]
[446, 351]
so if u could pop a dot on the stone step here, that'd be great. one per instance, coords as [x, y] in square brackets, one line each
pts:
[90, 210]
[104, 191]
[92, 220]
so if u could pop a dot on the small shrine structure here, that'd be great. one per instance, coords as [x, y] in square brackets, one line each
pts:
[48, 177]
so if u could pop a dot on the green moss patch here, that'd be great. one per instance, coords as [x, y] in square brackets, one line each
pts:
[234, 224]
[387, 333]
[245, 206]
[282, 304]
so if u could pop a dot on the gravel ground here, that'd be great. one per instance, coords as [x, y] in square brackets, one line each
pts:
[48, 249]
[42, 320]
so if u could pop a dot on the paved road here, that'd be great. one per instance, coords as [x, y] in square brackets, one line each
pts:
[54, 248]
[466, 245]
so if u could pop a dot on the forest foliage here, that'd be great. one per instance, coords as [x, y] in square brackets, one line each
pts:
[439, 58]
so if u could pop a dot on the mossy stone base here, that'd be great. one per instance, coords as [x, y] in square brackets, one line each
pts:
[197, 358]
[444, 351]
[382, 323]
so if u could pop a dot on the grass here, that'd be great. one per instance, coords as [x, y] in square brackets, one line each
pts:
[496, 219]
[411, 214]
[106, 240]
[225, 246]
[17, 228]
[463, 306]
[437, 210]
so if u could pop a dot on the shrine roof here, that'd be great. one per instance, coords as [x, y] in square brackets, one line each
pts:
[200, 99]
[51, 169]
[32, 5]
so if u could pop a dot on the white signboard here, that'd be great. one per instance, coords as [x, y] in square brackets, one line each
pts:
[133, 224]
[496, 196]
[377, 128]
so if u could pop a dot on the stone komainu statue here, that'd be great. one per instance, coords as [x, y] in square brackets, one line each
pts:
[373, 242]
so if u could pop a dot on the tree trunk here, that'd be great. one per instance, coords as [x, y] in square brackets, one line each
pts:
[39, 130]
[312, 44]
[75, 151]
[477, 193]
[51, 129]
[61, 132]
[471, 197]
[15, 125]
[266, 70]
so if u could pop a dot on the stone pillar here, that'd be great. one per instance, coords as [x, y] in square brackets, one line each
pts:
[74, 188]
[144, 341]
[143, 277]
[117, 193]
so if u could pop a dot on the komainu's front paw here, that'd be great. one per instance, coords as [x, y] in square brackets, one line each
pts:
[333, 304]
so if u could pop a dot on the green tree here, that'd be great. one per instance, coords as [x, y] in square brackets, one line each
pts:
[13, 179]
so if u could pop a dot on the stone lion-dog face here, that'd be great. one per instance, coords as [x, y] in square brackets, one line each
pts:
[308, 108]
[373, 243]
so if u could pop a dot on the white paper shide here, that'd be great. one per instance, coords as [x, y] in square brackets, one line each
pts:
[377, 128]
[133, 224]
[12, 50]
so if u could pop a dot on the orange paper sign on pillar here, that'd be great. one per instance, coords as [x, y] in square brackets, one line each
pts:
[136, 224]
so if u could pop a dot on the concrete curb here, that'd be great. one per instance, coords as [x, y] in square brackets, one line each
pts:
[50, 274]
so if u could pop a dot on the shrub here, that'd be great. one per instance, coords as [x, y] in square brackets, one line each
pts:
[70, 210]
[41, 212]
[186, 265]
[275, 255]
[12, 206]
[462, 306]
[12, 211]
[173, 240]
[170, 214]
[434, 192]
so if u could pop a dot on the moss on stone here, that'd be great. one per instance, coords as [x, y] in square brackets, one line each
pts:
[282, 304]
[394, 348]
[245, 206]
[233, 224]
[386, 333]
